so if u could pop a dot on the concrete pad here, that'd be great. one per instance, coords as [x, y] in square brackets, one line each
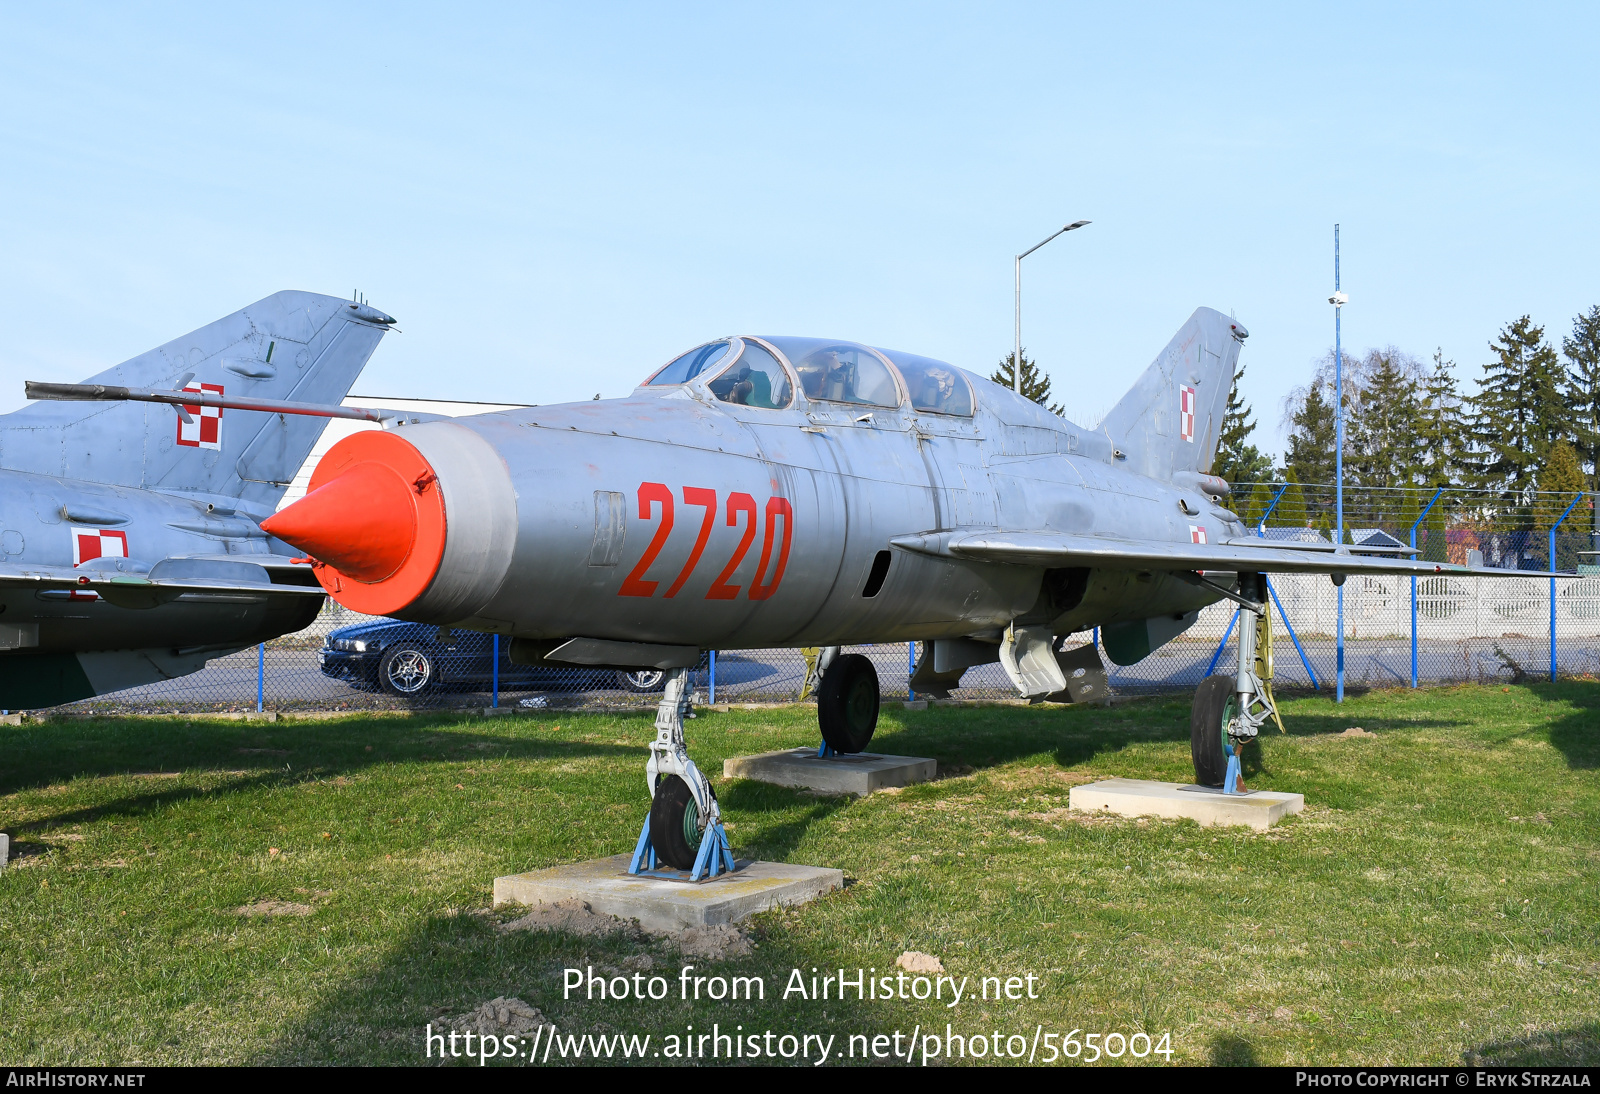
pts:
[1260, 809]
[5, 850]
[666, 904]
[860, 774]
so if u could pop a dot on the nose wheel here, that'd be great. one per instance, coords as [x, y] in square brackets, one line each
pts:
[684, 829]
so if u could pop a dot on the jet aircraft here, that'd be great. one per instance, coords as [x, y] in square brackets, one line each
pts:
[780, 491]
[131, 547]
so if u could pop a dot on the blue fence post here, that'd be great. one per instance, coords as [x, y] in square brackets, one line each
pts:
[261, 675]
[1564, 514]
[494, 674]
[911, 668]
[713, 685]
[1420, 518]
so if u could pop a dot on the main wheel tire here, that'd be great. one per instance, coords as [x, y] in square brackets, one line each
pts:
[642, 680]
[1214, 702]
[675, 825]
[847, 703]
[407, 671]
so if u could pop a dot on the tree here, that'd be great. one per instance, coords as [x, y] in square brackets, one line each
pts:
[1237, 459]
[1518, 412]
[1256, 504]
[1582, 350]
[1381, 437]
[1291, 511]
[1310, 454]
[1035, 384]
[1560, 480]
[1440, 441]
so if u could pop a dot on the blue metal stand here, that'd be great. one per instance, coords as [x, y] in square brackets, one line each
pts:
[1231, 779]
[715, 857]
[825, 751]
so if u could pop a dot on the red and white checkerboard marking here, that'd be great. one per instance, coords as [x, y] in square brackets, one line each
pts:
[1186, 416]
[89, 544]
[204, 427]
[1197, 533]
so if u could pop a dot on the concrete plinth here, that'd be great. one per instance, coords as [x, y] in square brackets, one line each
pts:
[5, 850]
[1260, 809]
[860, 774]
[664, 905]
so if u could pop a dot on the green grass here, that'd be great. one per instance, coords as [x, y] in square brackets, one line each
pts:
[1438, 897]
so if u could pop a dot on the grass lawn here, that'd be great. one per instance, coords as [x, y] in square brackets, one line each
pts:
[1438, 896]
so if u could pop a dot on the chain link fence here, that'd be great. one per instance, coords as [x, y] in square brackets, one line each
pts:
[1398, 631]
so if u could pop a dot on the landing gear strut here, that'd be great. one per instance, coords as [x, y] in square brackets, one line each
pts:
[684, 829]
[1229, 712]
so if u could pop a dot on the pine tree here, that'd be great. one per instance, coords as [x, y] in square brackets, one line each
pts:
[1560, 480]
[1440, 441]
[1517, 414]
[1259, 499]
[1311, 429]
[1434, 533]
[1582, 350]
[1237, 459]
[1035, 384]
[1291, 511]
[1381, 431]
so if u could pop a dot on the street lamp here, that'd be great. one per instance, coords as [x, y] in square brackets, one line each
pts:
[1016, 361]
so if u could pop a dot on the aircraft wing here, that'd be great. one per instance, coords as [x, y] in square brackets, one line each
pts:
[170, 579]
[1239, 555]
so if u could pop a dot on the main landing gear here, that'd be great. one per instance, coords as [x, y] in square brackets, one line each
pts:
[684, 829]
[1229, 711]
[847, 701]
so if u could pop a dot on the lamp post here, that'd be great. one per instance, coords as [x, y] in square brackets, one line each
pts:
[1016, 361]
[1338, 300]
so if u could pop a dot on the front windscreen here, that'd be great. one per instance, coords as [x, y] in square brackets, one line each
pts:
[840, 372]
[680, 370]
[755, 379]
[934, 385]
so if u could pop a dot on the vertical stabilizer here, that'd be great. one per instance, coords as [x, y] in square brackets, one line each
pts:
[1170, 420]
[292, 345]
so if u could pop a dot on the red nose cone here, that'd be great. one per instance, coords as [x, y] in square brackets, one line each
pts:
[361, 522]
[373, 520]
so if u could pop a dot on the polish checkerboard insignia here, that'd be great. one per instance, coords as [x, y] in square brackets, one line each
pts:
[89, 544]
[1197, 533]
[1186, 415]
[204, 427]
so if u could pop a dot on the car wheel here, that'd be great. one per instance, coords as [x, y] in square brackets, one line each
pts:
[642, 680]
[406, 671]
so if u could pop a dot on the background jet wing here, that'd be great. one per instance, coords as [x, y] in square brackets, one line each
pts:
[168, 580]
[1062, 549]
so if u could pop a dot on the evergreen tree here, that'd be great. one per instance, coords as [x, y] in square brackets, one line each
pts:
[1259, 499]
[1291, 511]
[1381, 430]
[1432, 537]
[1237, 459]
[1311, 428]
[1560, 480]
[1518, 412]
[1440, 441]
[1582, 350]
[1035, 384]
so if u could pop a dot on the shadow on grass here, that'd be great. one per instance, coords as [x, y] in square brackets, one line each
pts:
[774, 840]
[451, 964]
[1579, 1045]
[1231, 1050]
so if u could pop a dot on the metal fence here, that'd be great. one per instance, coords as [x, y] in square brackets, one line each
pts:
[1397, 631]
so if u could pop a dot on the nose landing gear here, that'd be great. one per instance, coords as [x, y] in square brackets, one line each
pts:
[684, 829]
[1229, 711]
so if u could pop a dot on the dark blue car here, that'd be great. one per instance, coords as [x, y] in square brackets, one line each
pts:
[407, 659]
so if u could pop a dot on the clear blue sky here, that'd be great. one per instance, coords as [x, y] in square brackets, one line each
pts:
[553, 200]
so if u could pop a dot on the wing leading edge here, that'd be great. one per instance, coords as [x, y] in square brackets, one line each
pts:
[1053, 550]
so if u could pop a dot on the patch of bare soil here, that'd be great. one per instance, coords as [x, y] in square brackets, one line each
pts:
[274, 907]
[577, 917]
[917, 961]
[1356, 731]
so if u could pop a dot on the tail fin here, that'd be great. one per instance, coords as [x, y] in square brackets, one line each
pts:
[1170, 420]
[292, 345]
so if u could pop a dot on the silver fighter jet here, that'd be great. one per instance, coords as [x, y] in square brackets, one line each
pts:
[131, 548]
[763, 491]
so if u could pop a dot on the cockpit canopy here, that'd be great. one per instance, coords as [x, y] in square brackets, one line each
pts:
[828, 371]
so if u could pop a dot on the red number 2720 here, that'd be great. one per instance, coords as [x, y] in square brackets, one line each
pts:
[653, 494]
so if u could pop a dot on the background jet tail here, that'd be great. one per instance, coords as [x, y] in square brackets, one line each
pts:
[292, 345]
[1169, 421]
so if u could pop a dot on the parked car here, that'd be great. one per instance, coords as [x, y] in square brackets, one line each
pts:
[407, 659]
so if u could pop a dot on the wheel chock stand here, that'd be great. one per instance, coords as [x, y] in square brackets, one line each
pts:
[714, 859]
